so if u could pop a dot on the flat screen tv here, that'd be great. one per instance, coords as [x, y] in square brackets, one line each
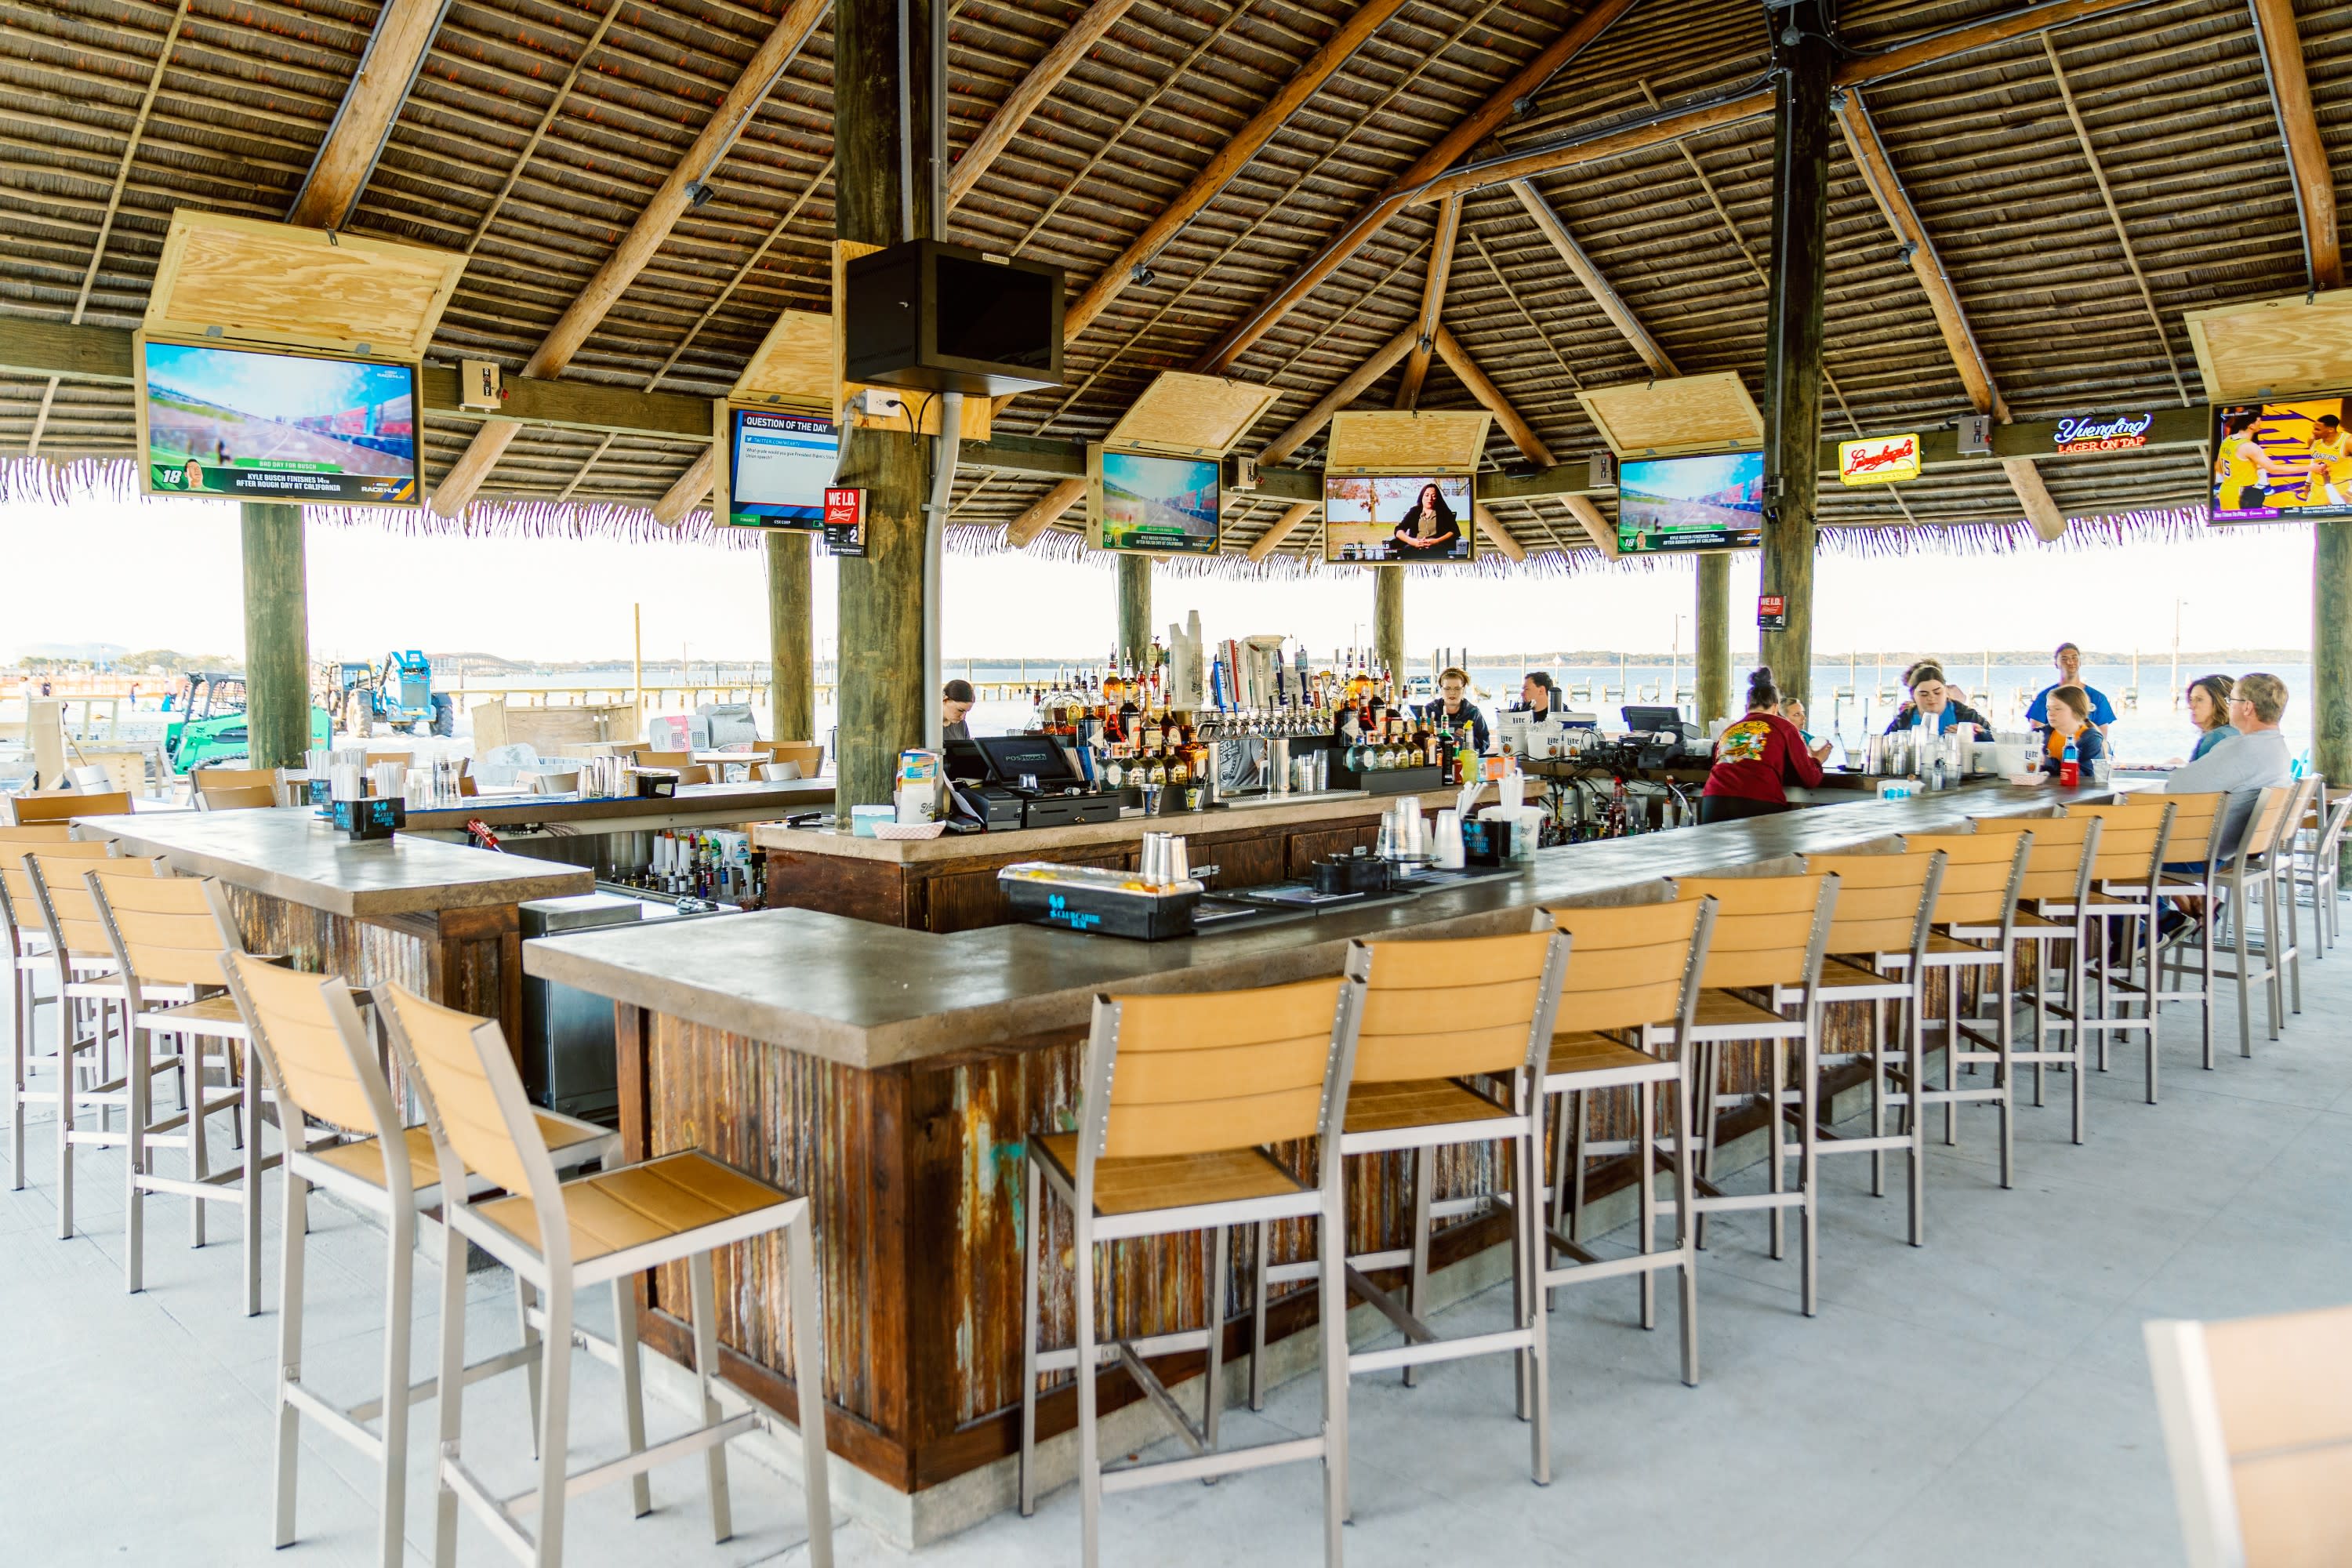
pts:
[778, 466]
[1166, 505]
[2282, 460]
[253, 425]
[1424, 517]
[1712, 502]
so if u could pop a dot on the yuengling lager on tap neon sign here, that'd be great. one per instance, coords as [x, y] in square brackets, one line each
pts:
[2102, 432]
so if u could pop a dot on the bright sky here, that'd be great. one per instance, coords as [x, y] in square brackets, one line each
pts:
[166, 574]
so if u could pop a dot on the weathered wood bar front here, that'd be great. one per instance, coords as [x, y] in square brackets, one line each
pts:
[894, 1074]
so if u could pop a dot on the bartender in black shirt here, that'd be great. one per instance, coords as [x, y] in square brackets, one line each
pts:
[1539, 698]
[1453, 709]
[955, 706]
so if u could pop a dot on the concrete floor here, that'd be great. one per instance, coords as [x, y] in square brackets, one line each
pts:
[1981, 1400]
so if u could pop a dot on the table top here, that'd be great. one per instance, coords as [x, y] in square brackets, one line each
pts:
[868, 996]
[289, 853]
[702, 803]
[1327, 806]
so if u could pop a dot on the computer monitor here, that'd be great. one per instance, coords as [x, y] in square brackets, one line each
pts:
[966, 763]
[1647, 720]
[1011, 758]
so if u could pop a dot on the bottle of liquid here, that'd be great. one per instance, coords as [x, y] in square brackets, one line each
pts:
[2070, 767]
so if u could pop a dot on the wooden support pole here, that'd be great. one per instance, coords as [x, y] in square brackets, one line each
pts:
[792, 636]
[2331, 651]
[1269, 542]
[882, 702]
[277, 636]
[1134, 608]
[1339, 396]
[1714, 622]
[1433, 302]
[1792, 343]
[1388, 617]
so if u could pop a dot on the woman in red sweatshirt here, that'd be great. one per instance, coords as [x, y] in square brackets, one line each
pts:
[1755, 759]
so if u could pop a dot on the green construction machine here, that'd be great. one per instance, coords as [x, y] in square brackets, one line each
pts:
[205, 726]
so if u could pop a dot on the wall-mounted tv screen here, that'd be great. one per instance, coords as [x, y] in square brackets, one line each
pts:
[2282, 460]
[1398, 517]
[778, 466]
[257, 426]
[1714, 502]
[1165, 505]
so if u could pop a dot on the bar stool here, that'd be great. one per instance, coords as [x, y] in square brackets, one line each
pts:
[335, 1114]
[1769, 937]
[169, 935]
[25, 941]
[2125, 871]
[2257, 1416]
[2060, 860]
[565, 1237]
[1183, 1096]
[2255, 872]
[2319, 863]
[2190, 874]
[88, 991]
[1875, 954]
[1976, 934]
[1627, 969]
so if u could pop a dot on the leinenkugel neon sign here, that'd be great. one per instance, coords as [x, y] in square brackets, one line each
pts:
[2116, 432]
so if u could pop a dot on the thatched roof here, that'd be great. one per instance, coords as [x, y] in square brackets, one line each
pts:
[536, 130]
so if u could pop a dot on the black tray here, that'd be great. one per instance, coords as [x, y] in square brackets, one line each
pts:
[1389, 781]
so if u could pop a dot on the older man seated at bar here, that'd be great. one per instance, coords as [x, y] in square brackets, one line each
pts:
[2244, 765]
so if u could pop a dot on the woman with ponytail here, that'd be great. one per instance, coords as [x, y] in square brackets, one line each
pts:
[1757, 759]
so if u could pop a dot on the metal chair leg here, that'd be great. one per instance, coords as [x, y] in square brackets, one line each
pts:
[1424, 1182]
[1031, 1221]
[1214, 1395]
[1264, 1255]
[450, 1388]
[555, 1411]
[702, 1287]
[290, 1356]
[633, 1387]
[398, 1319]
[1685, 1226]
[1331, 1253]
[134, 1209]
[1646, 1166]
[1089, 1454]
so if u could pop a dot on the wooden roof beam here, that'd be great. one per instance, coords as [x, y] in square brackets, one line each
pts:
[1266, 543]
[1473, 129]
[637, 248]
[2034, 496]
[2306, 154]
[1029, 93]
[1596, 527]
[355, 138]
[1433, 302]
[1339, 396]
[1613, 304]
[692, 488]
[1490, 398]
[1231, 160]
[1877, 169]
[1496, 535]
[1044, 511]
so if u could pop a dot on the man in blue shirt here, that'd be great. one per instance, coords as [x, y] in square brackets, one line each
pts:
[2068, 658]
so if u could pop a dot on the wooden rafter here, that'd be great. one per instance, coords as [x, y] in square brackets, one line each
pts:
[1497, 535]
[1339, 396]
[1473, 129]
[1613, 304]
[1031, 91]
[1231, 160]
[1266, 543]
[1044, 511]
[1490, 398]
[690, 490]
[539, 133]
[404, 31]
[2040, 510]
[1878, 173]
[2306, 154]
[1433, 303]
[670, 202]
[1596, 527]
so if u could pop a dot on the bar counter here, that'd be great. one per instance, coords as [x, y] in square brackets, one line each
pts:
[949, 883]
[437, 918]
[893, 1074]
[693, 806]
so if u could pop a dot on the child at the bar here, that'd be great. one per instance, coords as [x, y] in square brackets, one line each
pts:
[2070, 720]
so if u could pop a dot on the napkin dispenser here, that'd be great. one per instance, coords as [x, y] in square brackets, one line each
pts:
[376, 816]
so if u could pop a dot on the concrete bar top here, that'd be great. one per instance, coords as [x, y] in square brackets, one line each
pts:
[1280, 811]
[289, 853]
[693, 806]
[866, 996]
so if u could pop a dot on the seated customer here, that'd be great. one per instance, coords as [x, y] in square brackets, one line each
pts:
[1755, 759]
[2245, 764]
[1453, 710]
[1933, 707]
[2069, 710]
[2209, 706]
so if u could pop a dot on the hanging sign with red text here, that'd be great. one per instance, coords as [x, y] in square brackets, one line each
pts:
[2102, 432]
[844, 522]
[1772, 611]
[1879, 459]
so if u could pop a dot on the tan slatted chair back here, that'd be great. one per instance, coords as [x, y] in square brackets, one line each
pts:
[688, 771]
[38, 833]
[1764, 928]
[61, 806]
[247, 797]
[2054, 860]
[449, 1050]
[1232, 1069]
[1979, 871]
[292, 1016]
[1453, 1009]
[2133, 833]
[1628, 967]
[2194, 819]
[1882, 900]
[20, 905]
[2258, 1421]
[166, 931]
[205, 780]
[2272, 810]
[66, 907]
[809, 754]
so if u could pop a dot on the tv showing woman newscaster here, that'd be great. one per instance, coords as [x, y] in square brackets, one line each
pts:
[1385, 518]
